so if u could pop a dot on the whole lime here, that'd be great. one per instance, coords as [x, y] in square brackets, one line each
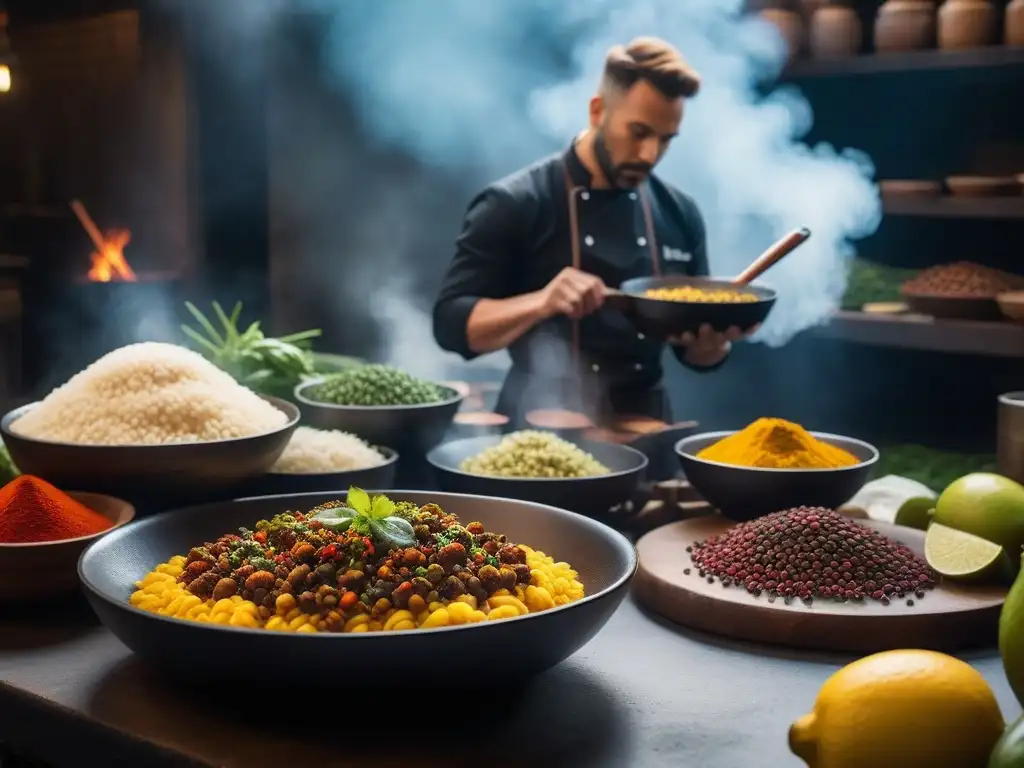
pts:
[987, 505]
[1009, 750]
[1011, 638]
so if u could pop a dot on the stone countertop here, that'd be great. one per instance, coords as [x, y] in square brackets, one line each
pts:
[642, 693]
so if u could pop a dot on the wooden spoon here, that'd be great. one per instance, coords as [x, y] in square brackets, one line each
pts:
[773, 255]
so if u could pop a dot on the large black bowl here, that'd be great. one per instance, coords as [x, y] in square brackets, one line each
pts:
[656, 317]
[586, 495]
[743, 493]
[509, 649]
[412, 429]
[147, 474]
[379, 476]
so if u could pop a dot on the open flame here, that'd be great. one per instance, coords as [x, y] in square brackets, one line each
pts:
[108, 260]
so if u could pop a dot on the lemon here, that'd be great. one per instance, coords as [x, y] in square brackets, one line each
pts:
[916, 513]
[900, 709]
[964, 556]
[987, 505]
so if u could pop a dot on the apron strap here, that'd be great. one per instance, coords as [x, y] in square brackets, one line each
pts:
[572, 190]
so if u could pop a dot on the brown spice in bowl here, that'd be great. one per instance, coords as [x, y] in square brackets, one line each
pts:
[557, 418]
[962, 279]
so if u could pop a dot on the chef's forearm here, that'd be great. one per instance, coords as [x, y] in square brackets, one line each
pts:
[496, 323]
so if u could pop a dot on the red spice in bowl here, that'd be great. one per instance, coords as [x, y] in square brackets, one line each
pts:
[811, 552]
[33, 511]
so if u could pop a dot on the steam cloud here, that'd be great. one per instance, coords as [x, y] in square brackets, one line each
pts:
[481, 88]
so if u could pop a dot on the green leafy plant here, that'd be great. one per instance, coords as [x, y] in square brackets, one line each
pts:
[273, 366]
[374, 517]
[7, 469]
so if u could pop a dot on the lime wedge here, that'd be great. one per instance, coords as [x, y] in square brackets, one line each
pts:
[964, 556]
[916, 513]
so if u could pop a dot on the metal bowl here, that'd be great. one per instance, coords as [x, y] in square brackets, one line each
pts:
[656, 317]
[510, 649]
[592, 496]
[743, 493]
[151, 474]
[412, 429]
[379, 476]
[47, 569]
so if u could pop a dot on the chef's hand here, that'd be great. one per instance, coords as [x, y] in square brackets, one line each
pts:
[573, 293]
[708, 347]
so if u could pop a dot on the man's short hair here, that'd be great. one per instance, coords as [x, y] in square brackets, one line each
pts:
[653, 60]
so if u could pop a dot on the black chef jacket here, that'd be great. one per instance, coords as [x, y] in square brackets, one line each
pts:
[515, 239]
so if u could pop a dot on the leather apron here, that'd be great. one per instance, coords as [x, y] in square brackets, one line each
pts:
[582, 390]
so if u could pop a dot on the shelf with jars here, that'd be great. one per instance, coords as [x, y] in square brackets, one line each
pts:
[827, 38]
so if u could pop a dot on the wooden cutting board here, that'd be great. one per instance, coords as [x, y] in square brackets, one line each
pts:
[946, 618]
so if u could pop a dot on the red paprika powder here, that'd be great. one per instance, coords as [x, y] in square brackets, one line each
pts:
[32, 510]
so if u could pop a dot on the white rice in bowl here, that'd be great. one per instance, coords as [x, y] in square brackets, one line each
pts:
[149, 394]
[317, 451]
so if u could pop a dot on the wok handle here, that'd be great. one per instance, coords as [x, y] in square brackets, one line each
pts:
[617, 299]
[770, 257]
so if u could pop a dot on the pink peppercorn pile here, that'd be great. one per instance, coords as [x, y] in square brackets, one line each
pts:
[811, 552]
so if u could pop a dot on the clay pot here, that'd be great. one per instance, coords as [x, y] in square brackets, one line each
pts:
[810, 7]
[967, 24]
[1015, 23]
[790, 26]
[905, 25]
[836, 32]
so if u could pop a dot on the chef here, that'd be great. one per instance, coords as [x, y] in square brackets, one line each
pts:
[539, 247]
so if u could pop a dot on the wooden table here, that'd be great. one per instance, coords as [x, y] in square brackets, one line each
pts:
[642, 693]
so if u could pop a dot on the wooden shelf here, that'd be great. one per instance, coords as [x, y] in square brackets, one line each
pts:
[878, 63]
[969, 337]
[956, 207]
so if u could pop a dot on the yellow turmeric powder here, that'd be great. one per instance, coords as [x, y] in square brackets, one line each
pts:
[777, 444]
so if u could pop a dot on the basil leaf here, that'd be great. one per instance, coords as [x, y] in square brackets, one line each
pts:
[394, 531]
[336, 518]
[382, 507]
[359, 500]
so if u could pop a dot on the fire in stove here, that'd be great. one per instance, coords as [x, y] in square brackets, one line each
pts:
[108, 260]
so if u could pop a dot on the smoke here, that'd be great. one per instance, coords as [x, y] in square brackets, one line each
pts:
[474, 86]
[474, 90]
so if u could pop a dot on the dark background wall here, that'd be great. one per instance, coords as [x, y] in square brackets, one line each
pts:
[290, 205]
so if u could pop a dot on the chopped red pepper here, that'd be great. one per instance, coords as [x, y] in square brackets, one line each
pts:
[369, 545]
[260, 536]
[329, 552]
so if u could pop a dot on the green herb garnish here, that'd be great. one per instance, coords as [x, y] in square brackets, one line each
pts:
[370, 517]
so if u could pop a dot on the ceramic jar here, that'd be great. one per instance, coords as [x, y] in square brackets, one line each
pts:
[967, 24]
[790, 26]
[905, 25]
[1015, 23]
[809, 7]
[836, 31]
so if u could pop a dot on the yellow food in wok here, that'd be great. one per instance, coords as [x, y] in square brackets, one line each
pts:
[690, 293]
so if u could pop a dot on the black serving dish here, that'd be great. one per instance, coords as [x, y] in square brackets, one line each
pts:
[656, 317]
[592, 496]
[276, 483]
[411, 429]
[744, 493]
[507, 650]
[150, 476]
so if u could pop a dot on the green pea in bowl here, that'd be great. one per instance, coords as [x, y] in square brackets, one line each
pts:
[410, 429]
